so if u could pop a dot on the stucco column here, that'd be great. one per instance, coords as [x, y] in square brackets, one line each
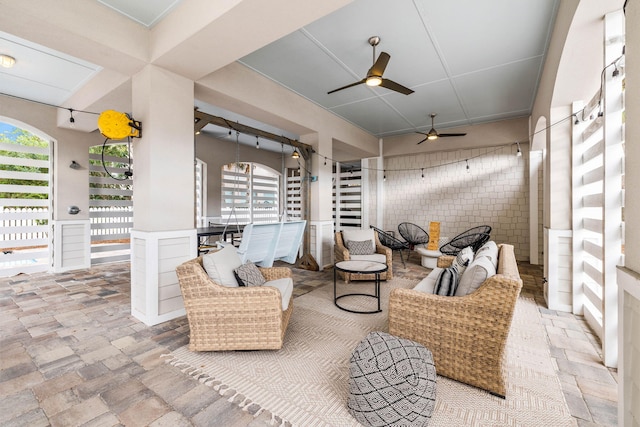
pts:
[163, 233]
[321, 217]
[164, 156]
[321, 189]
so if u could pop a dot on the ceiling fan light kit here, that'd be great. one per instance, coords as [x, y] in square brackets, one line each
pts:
[374, 75]
[433, 134]
[374, 81]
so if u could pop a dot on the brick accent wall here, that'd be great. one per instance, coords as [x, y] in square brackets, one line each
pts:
[493, 191]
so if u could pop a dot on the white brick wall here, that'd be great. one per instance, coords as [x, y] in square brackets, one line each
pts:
[494, 191]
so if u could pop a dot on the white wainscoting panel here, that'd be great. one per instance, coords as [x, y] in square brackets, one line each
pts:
[71, 245]
[628, 346]
[558, 263]
[322, 243]
[155, 292]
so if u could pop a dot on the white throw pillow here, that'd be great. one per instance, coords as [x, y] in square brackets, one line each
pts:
[359, 235]
[489, 250]
[463, 260]
[220, 265]
[480, 270]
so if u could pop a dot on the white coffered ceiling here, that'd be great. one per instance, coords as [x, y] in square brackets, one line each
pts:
[469, 61]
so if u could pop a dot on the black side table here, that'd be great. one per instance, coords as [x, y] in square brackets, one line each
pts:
[359, 267]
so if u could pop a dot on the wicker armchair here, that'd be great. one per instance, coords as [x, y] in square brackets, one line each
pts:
[226, 318]
[467, 335]
[342, 254]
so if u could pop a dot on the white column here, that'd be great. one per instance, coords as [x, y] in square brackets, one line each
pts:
[613, 156]
[163, 233]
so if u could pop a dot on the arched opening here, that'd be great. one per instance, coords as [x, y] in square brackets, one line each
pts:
[25, 198]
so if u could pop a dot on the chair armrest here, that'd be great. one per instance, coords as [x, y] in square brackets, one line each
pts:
[380, 249]
[341, 253]
[445, 261]
[273, 273]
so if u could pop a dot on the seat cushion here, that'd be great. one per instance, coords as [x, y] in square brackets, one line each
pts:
[219, 265]
[428, 284]
[476, 273]
[285, 286]
[373, 257]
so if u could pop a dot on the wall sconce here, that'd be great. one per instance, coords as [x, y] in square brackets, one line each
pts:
[75, 165]
[73, 210]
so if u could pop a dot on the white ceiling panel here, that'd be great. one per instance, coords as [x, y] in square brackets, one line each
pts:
[145, 12]
[475, 35]
[469, 61]
[505, 90]
[438, 97]
[373, 115]
[40, 73]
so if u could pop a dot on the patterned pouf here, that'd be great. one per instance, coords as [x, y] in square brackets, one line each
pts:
[392, 382]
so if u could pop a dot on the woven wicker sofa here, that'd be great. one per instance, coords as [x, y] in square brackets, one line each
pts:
[466, 334]
[233, 318]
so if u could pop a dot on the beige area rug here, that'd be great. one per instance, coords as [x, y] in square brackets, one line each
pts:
[306, 382]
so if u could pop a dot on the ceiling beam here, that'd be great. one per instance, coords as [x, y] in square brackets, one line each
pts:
[203, 119]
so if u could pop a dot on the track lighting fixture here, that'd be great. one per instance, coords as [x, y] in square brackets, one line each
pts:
[519, 152]
[384, 177]
[257, 143]
[325, 161]
[422, 173]
[468, 169]
[576, 121]
[72, 121]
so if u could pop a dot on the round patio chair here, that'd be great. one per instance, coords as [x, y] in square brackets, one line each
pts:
[474, 237]
[391, 242]
[413, 234]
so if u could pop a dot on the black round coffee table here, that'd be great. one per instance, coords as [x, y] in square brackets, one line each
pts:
[359, 267]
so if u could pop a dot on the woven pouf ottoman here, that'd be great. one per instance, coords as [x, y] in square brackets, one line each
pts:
[392, 382]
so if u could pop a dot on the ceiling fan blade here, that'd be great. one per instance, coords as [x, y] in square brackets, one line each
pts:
[422, 141]
[347, 86]
[422, 133]
[390, 84]
[377, 69]
[451, 134]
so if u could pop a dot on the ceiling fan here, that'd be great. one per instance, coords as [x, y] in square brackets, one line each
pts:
[434, 134]
[374, 75]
